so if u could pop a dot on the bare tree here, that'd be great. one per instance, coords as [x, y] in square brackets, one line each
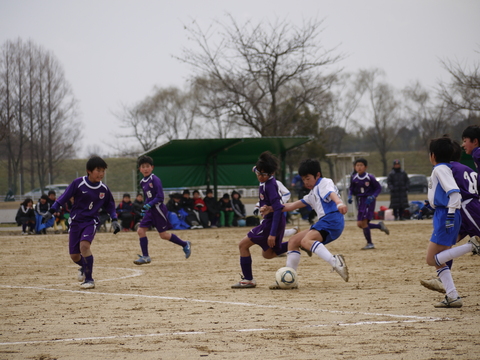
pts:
[463, 92]
[168, 113]
[381, 110]
[261, 66]
[40, 108]
[430, 117]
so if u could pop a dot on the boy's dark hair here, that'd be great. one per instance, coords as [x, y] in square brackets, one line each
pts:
[144, 159]
[209, 191]
[442, 149]
[196, 192]
[457, 151]
[44, 197]
[186, 192]
[96, 162]
[267, 162]
[309, 167]
[361, 160]
[472, 132]
[52, 192]
[126, 195]
[226, 196]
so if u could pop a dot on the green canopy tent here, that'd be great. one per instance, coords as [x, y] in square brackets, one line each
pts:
[216, 162]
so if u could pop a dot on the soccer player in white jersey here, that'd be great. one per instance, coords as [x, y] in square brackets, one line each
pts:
[326, 202]
[444, 196]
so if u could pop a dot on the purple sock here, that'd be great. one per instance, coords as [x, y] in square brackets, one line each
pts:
[144, 245]
[80, 262]
[176, 240]
[88, 268]
[366, 233]
[373, 226]
[246, 265]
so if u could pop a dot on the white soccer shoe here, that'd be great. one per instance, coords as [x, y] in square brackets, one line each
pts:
[433, 284]
[341, 266]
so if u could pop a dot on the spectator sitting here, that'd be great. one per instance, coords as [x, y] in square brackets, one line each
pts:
[187, 201]
[176, 214]
[137, 208]
[213, 208]
[238, 207]
[125, 213]
[226, 211]
[26, 217]
[41, 209]
[200, 209]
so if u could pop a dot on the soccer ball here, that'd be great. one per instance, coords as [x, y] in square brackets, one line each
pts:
[286, 277]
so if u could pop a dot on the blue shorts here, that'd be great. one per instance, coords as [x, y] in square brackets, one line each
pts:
[259, 234]
[333, 223]
[440, 235]
[365, 211]
[157, 217]
[84, 231]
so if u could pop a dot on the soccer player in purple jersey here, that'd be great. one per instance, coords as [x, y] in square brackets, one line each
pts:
[366, 188]
[465, 178]
[269, 234]
[155, 212]
[90, 195]
[471, 144]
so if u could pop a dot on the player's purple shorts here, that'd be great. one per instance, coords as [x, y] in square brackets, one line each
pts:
[440, 235]
[259, 234]
[365, 211]
[470, 211]
[84, 231]
[157, 216]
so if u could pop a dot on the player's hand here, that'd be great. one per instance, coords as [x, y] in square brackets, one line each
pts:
[450, 222]
[350, 200]
[271, 241]
[116, 227]
[47, 216]
[147, 207]
[342, 208]
[370, 199]
[255, 212]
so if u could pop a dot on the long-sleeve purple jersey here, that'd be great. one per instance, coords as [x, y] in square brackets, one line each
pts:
[466, 180]
[268, 195]
[152, 190]
[89, 198]
[365, 185]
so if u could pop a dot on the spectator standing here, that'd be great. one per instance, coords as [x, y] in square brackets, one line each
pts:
[398, 184]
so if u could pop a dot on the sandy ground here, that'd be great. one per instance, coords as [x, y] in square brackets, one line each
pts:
[175, 308]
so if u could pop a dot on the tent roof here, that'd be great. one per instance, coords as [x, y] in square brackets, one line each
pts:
[227, 151]
[226, 162]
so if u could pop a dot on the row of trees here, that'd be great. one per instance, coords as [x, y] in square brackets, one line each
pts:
[276, 79]
[37, 109]
[252, 79]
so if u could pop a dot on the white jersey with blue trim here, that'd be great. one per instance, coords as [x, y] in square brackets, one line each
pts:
[282, 191]
[443, 191]
[319, 197]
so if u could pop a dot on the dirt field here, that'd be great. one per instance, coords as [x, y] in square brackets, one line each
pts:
[175, 308]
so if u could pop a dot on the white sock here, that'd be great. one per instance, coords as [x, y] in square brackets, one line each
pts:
[321, 251]
[446, 255]
[293, 259]
[290, 232]
[446, 276]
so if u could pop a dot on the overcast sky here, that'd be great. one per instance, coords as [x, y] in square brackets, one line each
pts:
[114, 52]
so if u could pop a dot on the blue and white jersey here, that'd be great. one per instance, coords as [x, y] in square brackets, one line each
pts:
[442, 188]
[319, 197]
